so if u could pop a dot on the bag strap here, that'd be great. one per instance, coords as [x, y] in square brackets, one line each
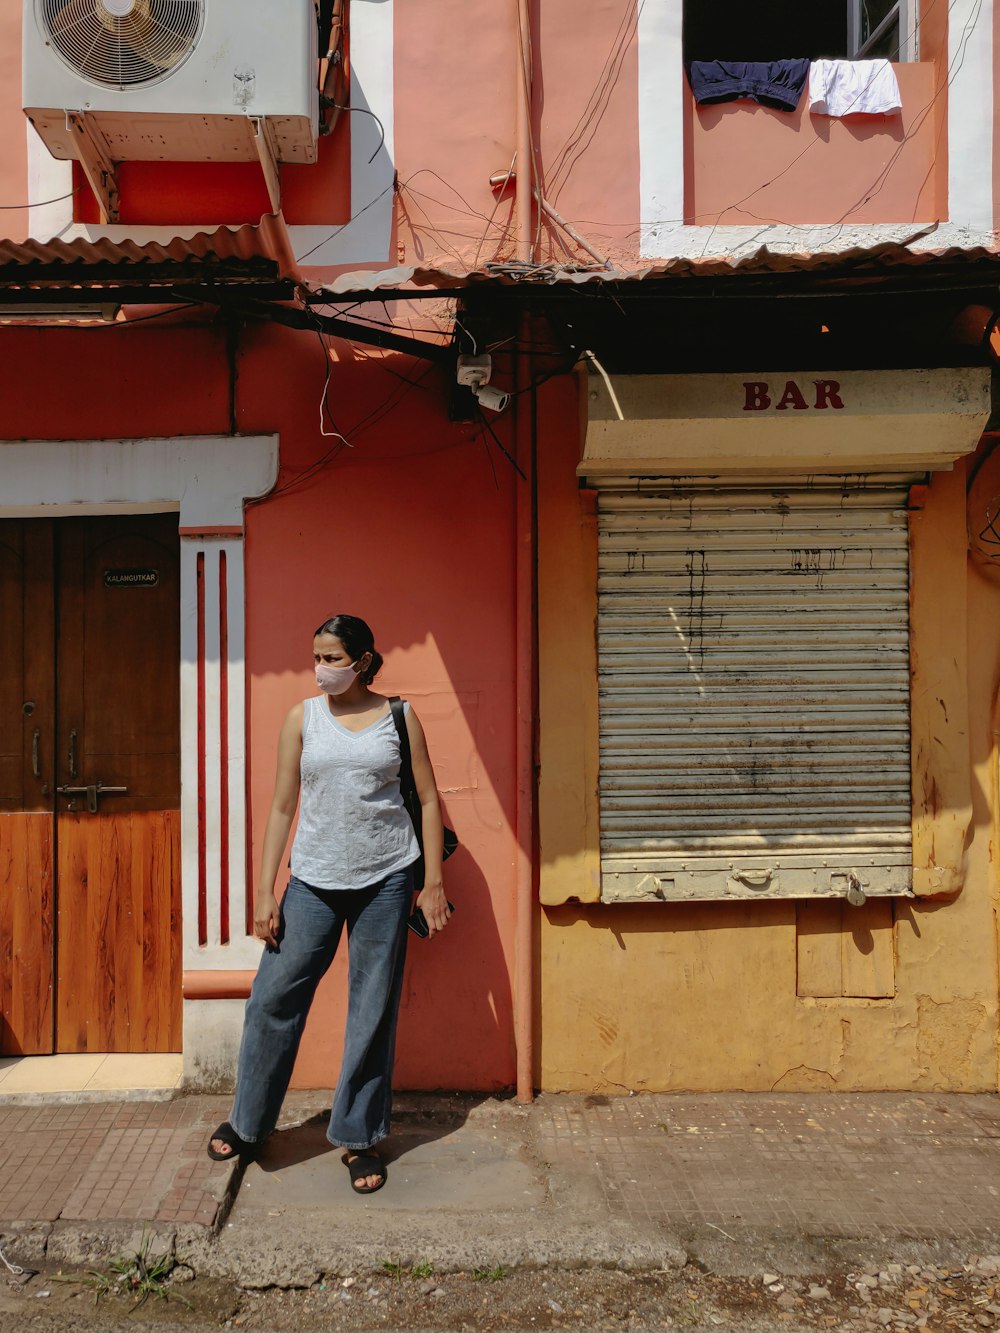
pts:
[406, 763]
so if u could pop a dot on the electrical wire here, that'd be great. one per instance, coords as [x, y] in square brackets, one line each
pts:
[590, 118]
[489, 456]
[501, 446]
[158, 314]
[371, 319]
[330, 455]
[534, 174]
[489, 223]
[421, 171]
[364, 111]
[430, 228]
[337, 230]
[953, 69]
[324, 402]
[41, 203]
[422, 194]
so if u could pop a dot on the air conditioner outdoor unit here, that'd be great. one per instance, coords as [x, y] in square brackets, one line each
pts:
[109, 81]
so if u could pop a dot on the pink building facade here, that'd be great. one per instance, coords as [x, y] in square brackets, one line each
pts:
[685, 780]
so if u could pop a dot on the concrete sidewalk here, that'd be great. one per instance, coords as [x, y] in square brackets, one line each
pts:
[736, 1182]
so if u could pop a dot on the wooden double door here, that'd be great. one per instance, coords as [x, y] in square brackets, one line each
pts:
[90, 948]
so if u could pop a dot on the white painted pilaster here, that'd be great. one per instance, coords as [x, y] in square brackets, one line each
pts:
[661, 125]
[48, 179]
[971, 113]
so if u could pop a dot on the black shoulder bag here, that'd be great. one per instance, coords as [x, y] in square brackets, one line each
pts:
[410, 798]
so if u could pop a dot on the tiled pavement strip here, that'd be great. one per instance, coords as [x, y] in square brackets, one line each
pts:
[111, 1161]
[878, 1166]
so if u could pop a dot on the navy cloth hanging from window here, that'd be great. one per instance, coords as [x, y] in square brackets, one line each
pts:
[773, 83]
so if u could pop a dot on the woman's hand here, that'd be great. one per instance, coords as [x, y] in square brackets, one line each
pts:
[265, 919]
[434, 905]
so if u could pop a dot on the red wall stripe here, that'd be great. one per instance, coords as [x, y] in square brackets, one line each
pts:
[202, 871]
[223, 749]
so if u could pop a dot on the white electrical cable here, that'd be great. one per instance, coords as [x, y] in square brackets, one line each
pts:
[16, 1269]
[606, 378]
[323, 409]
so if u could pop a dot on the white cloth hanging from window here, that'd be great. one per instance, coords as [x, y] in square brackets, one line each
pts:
[853, 87]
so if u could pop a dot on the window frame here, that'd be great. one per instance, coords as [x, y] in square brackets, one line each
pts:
[904, 11]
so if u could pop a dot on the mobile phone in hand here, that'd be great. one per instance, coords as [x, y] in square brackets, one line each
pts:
[418, 922]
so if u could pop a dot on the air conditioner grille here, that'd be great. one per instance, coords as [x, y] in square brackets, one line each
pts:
[122, 43]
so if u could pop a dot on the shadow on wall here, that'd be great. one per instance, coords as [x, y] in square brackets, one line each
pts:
[409, 530]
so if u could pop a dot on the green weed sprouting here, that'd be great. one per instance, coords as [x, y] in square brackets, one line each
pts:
[494, 1274]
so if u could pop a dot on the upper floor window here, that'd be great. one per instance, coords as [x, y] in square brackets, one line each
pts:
[789, 29]
[880, 28]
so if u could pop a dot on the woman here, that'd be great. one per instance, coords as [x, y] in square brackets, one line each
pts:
[352, 865]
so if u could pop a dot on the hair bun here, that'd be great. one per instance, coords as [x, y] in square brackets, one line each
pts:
[375, 667]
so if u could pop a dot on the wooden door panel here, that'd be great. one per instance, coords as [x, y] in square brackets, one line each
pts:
[26, 933]
[118, 945]
[27, 685]
[27, 730]
[89, 948]
[12, 696]
[119, 932]
[119, 654]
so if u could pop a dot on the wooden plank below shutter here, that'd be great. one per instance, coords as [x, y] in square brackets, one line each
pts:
[844, 951]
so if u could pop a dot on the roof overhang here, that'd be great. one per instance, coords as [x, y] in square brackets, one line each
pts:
[254, 259]
[895, 265]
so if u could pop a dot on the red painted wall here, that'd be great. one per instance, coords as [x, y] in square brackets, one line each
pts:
[410, 530]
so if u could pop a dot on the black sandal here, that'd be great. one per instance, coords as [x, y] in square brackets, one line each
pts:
[366, 1164]
[237, 1147]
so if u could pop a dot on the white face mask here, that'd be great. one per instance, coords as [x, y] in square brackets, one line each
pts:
[335, 680]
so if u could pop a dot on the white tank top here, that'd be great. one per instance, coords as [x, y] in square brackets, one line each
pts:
[353, 828]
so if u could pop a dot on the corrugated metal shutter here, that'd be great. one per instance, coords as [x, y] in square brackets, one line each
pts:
[754, 687]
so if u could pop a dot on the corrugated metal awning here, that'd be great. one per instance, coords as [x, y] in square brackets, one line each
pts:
[244, 254]
[858, 263]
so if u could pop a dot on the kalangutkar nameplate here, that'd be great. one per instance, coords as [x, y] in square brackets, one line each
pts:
[131, 578]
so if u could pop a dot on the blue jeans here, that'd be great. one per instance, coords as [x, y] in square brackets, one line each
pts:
[311, 924]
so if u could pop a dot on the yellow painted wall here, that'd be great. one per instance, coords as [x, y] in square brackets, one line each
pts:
[711, 996]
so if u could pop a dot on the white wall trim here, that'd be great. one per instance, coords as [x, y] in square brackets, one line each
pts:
[970, 113]
[368, 235]
[224, 750]
[661, 124]
[365, 239]
[206, 480]
[48, 178]
[205, 477]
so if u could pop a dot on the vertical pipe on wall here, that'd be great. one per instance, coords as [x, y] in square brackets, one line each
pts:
[524, 646]
[522, 101]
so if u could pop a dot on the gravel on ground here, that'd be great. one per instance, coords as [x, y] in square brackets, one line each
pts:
[898, 1297]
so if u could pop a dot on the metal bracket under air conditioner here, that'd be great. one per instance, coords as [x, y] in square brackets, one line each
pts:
[95, 159]
[264, 144]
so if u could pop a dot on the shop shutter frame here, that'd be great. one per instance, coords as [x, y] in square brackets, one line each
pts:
[754, 687]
